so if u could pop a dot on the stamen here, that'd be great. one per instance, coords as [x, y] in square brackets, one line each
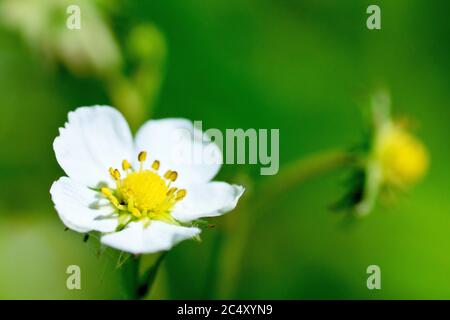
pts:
[173, 176]
[167, 174]
[155, 165]
[135, 212]
[142, 157]
[180, 194]
[126, 165]
[109, 195]
[116, 203]
[114, 173]
[144, 195]
[171, 192]
[106, 192]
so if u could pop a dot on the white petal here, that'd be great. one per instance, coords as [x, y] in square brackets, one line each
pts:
[207, 200]
[93, 140]
[80, 208]
[158, 236]
[180, 147]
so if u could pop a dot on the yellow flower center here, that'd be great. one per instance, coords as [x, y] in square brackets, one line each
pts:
[143, 193]
[146, 189]
[403, 157]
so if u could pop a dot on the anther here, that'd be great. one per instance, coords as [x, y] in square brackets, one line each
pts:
[114, 201]
[142, 156]
[173, 176]
[167, 174]
[155, 165]
[114, 173]
[126, 165]
[171, 192]
[180, 194]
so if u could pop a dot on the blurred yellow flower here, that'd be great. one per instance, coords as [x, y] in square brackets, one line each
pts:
[403, 158]
[396, 159]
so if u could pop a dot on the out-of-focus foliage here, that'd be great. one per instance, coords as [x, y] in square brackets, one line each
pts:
[129, 70]
[304, 67]
[42, 24]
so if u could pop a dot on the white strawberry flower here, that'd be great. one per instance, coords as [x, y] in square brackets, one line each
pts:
[135, 193]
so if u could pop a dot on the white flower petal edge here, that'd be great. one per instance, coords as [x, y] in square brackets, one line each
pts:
[94, 139]
[173, 141]
[159, 236]
[80, 208]
[207, 200]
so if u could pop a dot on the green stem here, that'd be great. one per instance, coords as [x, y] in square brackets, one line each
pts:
[299, 172]
[261, 201]
[148, 279]
[130, 272]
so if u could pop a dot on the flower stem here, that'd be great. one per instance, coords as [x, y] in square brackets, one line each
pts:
[130, 274]
[146, 282]
[298, 172]
[261, 201]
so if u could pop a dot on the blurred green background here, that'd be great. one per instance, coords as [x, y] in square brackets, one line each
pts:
[304, 67]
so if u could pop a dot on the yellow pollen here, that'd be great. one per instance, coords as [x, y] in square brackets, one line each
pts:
[145, 189]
